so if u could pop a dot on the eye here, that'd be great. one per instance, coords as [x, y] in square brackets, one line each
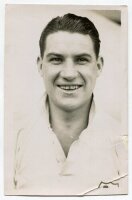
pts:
[82, 60]
[56, 60]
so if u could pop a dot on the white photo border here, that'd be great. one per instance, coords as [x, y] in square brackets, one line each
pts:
[69, 2]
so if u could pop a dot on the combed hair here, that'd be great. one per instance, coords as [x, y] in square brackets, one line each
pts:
[73, 24]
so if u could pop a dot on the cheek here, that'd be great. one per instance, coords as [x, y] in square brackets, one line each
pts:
[90, 75]
[49, 77]
[90, 79]
[93, 74]
[52, 72]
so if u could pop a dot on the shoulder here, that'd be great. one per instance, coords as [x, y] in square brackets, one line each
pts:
[106, 125]
[111, 129]
[31, 125]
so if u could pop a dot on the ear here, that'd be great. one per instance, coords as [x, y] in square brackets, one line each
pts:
[100, 63]
[39, 64]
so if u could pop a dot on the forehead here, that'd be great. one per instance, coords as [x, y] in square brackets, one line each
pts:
[69, 43]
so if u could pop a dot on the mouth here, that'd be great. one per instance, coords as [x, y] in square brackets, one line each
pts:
[69, 87]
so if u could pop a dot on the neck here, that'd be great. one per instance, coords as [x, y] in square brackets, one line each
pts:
[68, 125]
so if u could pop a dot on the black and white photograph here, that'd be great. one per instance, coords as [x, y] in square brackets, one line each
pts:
[66, 93]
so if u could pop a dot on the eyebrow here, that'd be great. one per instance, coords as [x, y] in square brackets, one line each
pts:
[77, 55]
[53, 54]
[83, 55]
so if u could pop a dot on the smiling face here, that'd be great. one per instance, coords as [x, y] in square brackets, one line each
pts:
[69, 68]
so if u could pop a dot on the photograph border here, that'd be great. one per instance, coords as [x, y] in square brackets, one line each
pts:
[2, 36]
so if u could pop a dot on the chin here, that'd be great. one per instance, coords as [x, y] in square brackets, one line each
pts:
[69, 107]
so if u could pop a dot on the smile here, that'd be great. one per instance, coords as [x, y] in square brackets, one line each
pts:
[69, 87]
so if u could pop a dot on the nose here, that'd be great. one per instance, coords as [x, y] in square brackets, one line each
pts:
[69, 71]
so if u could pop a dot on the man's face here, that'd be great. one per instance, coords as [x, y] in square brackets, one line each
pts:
[69, 68]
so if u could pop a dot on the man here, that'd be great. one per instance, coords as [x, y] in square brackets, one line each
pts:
[70, 148]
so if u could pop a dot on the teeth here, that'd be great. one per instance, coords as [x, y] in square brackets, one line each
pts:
[69, 87]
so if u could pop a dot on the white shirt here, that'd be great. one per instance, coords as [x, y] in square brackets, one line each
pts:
[96, 162]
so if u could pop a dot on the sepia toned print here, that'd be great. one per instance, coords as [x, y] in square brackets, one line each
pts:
[66, 119]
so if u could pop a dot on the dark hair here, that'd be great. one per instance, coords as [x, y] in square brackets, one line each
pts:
[73, 24]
